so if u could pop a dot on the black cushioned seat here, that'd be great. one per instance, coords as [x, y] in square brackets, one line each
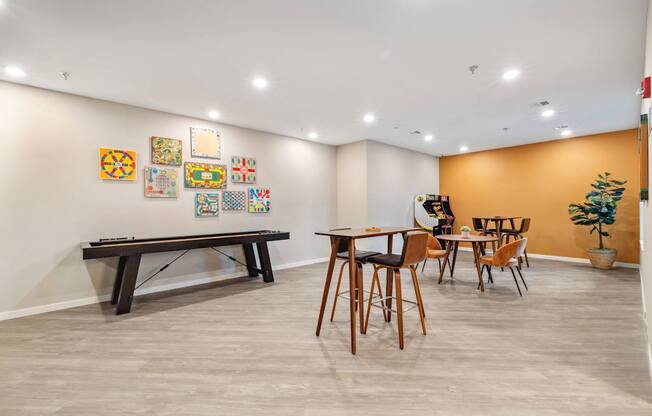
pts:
[393, 260]
[360, 255]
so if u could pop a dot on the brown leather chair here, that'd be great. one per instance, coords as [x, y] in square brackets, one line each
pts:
[434, 250]
[517, 234]
[361, 257]
[414, 251]
[506, 256]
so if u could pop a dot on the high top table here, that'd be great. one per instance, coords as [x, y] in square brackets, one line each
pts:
[453, 242]
[499, 221]
[352, 234]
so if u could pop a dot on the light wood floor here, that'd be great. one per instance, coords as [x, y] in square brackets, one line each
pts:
[574, 345]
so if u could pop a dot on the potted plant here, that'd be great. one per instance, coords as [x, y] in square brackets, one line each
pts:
[596, 211]
[466, 231]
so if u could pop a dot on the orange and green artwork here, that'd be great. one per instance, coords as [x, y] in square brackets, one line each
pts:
[117, 164]
[166, 151]
[204, 175]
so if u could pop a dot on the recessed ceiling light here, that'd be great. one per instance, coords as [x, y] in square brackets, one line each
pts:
[14, 71]
[260, 83]
[312, 135]
[369, 118]
[464, 148]
[547, 113]
[566, 133]
[428, 137]
[213, 114]
[511, 74]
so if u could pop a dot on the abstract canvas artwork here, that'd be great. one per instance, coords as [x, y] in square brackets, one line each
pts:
[259, 199]
[117, 164]
[243, 169]
[204, 175]
[166, 151]
[234, 201]
[161, 182]
[207, 205]
[205, 143]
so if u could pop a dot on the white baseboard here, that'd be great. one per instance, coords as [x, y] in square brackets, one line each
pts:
[568, 259]
[240, 271]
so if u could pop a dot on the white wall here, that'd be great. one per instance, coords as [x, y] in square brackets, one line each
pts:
[646, 210]
[392, 177]
[352, 184]
[52, 198]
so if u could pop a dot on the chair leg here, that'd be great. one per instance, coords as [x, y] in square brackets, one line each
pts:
[527, 262]
[337, 289]
[516, 281]
[518, 269]
[424, 264]
[491, 278]
[439, 263]
[417, 293]
[399, 306]
[360, 294]
[371, 297]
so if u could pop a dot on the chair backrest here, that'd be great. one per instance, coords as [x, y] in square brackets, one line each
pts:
[507, 252]
[414, 248]
[521, 247]
[433, 243]
[477, 224]
[525, 225]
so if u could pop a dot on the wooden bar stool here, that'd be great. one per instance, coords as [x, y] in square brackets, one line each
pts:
[414, 251]
[360, 258]
[481, 228]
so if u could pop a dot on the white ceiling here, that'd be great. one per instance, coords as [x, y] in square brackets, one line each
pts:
[329, 62]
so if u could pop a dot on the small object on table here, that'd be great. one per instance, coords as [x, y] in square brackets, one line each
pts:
[372, 229]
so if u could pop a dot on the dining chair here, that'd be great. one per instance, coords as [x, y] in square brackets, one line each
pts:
[480, 227]
[517, 234]
[506, 257]
[361, 257]
[413, 253]
[434, 250]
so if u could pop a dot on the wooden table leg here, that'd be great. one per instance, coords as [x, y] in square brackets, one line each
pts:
[448, 253]
[455, 247]
[389, 289]
[327, 283]
[499, 231]
[352, 285]
[476, 251]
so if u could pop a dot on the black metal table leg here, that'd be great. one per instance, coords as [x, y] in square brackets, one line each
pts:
[250, 258]
[265, 263]
[118, 279]
[128, 284]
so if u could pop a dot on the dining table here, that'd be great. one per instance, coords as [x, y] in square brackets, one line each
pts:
[477, 244]
[499, 221]
[356, 293]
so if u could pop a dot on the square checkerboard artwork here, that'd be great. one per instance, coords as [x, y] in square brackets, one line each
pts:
[259, 199]
[234, 201]
[243, 169]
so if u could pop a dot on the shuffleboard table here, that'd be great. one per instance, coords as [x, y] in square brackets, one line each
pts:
[130, 251]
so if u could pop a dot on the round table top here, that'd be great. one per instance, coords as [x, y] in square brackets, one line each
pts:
[471, 238]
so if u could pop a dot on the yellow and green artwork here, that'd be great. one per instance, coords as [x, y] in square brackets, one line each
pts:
[166, 151]
[204, 175]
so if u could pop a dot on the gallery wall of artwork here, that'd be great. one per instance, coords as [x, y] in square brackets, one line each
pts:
[79, 204]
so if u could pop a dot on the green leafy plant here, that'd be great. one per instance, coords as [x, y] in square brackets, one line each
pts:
[599, 207]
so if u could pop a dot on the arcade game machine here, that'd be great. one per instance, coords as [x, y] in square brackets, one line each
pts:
[433, 213]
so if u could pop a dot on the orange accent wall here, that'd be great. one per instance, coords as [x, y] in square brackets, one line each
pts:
[539, 181]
